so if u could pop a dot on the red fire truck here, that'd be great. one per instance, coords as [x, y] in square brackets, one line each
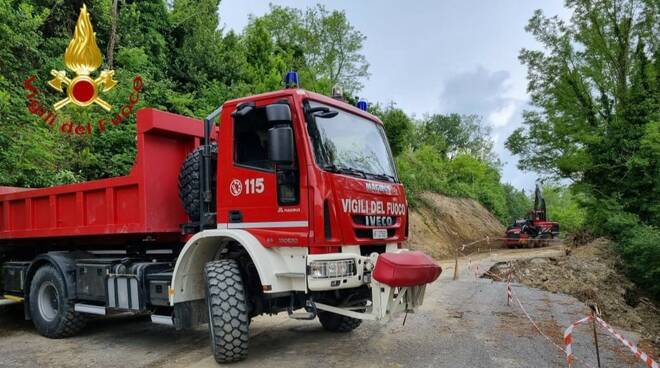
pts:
[282, 202]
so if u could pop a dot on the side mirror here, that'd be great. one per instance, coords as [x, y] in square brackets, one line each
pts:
[280, 144]
[278, 113]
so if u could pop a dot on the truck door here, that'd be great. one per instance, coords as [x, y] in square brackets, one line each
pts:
[270, 201]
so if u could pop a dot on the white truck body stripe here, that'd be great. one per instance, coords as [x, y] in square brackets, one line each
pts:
[263, 225]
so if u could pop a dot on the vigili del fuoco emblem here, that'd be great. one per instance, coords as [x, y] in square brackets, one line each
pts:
[83, 57]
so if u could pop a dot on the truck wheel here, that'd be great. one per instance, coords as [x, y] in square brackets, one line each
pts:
[190, 184]
[52, 314]
[228, 312]
[338, 323]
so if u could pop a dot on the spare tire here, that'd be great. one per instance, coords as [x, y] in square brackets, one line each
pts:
[190, 185]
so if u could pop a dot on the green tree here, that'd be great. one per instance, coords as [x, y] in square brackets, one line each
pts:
[189, 65]
[518, 203]
[267, 61]
[30, 154]
[457, 134]
[595, 91]
[398, 127]
[326, 49]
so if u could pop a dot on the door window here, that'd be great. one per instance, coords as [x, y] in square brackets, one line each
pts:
[251, 151]
[251, 140]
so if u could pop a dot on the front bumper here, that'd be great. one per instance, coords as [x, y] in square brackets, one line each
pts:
[397, 280]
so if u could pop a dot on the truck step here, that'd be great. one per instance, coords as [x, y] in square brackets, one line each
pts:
[305, 316]
[10, 300]
[162, 320]
[90, 309]
[4, 302]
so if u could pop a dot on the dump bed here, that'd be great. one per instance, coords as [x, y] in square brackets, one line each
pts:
[143, 202]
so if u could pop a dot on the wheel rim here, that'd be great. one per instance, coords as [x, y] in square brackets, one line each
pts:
[48, 301]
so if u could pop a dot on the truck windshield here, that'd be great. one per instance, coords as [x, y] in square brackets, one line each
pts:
[349, 144]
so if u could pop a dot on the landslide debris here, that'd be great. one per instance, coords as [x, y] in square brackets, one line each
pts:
[593, 274]
[439, 224]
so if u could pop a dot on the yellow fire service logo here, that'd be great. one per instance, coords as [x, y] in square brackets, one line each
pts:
[83, 57]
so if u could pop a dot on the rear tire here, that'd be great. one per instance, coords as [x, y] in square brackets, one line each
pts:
[52, 314]
[338, 323]
[226, 299]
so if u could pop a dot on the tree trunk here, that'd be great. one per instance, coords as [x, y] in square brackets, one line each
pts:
[113, 34]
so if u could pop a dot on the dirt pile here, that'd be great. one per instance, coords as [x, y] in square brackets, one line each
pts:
[439, 224]
[592, 274]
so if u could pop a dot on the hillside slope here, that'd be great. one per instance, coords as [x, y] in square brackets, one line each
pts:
[441, 223]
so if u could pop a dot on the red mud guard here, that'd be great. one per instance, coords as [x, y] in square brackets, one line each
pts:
[405, 269]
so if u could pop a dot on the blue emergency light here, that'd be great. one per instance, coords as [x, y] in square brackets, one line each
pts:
[291, 79]
[362, 105]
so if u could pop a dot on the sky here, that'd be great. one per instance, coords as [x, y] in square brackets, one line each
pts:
[449, 56]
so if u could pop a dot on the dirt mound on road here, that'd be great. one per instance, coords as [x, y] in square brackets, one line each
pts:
[439, 224]
[592, 273]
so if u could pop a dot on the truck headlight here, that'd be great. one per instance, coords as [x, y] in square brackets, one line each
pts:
[332, 269]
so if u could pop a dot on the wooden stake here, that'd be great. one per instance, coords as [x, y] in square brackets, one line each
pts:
[456, 264]
[593, 324]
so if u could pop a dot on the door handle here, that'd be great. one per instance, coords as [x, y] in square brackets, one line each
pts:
[235, 216]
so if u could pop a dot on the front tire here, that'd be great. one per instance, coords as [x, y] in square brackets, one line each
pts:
[228, 312]
[52, 314]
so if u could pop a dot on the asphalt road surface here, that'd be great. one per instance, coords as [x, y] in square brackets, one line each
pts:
[463, 323]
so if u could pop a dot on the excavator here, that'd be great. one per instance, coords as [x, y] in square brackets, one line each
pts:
[534, 231]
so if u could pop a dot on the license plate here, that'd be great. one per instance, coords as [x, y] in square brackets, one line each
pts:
[380, 233]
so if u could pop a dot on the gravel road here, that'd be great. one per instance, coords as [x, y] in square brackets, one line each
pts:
[463, 323]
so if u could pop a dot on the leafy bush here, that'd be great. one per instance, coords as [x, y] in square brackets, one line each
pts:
[477, 179]
[640, 247]
[639, 244]
[420, 170]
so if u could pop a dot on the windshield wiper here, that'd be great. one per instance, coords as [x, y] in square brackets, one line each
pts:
[356, 172]
[344, 170]
[383, 177]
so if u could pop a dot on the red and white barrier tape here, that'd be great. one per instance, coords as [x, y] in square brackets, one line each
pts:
[539, 329]
[489, 239]
[638, 353]
[568, 340]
